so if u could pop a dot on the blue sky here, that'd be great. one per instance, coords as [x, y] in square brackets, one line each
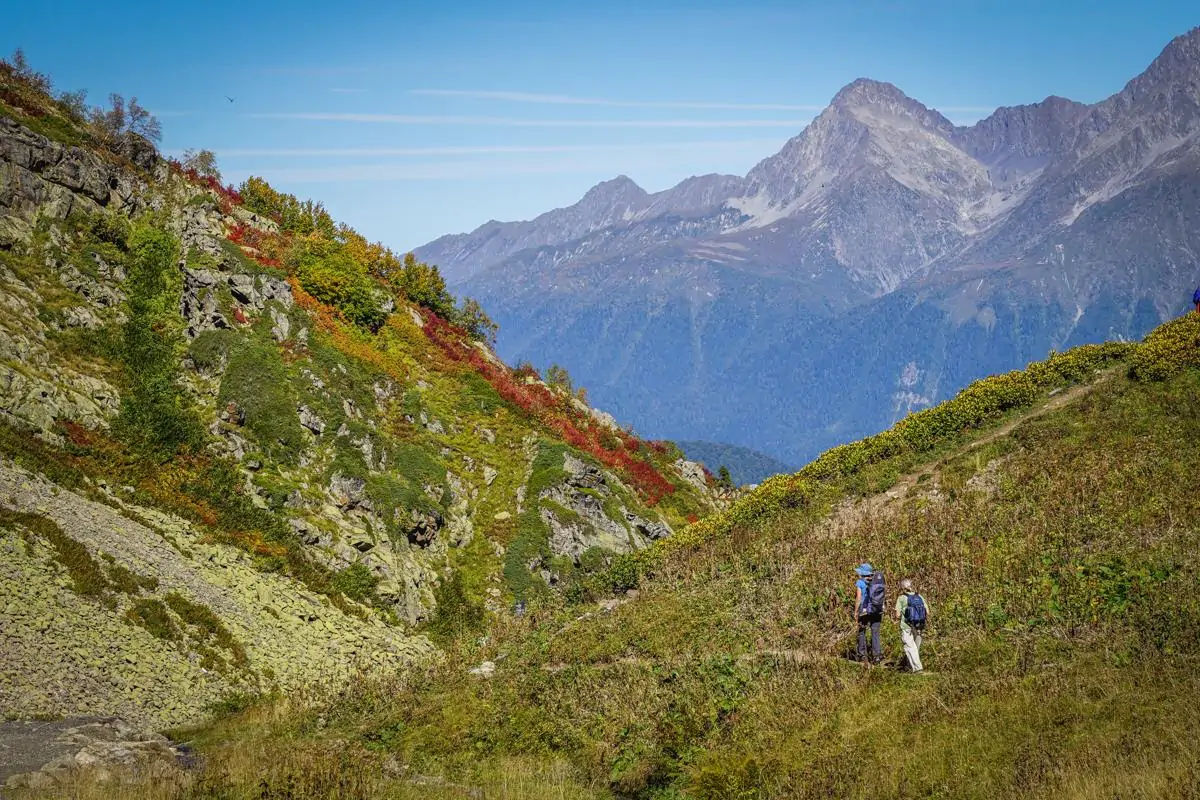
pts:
[418, 120]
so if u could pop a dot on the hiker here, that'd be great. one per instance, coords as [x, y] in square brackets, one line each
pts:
[869, 599]
[1196, 299]
[912, 612]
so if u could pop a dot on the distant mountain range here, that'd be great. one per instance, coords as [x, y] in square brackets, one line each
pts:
[877, 263]
[745, 466]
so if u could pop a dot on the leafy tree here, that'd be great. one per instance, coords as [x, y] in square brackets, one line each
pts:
[303, 217]
[18, 66]
[423, 285]
[328, 273]
[476, 322]
[75, 105]
[202, 162]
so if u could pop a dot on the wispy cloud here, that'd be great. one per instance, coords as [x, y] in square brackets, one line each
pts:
[596, 161]
[570, 100]
[409, 119]
[490, 150]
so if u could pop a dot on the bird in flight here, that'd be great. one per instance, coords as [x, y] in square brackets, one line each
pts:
[230, 99]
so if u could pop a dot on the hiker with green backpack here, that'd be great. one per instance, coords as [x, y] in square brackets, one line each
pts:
[870, 598]
[912, 612]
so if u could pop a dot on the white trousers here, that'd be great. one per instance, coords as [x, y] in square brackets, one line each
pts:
[912, 648]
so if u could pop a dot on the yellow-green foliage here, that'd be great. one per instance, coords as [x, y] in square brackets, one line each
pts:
[328, 273]
[917, 433]
[256, 381]
[1168, 349]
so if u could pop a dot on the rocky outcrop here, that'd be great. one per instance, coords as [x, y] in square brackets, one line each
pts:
[586, 511]
[200, 303]
[42, 177]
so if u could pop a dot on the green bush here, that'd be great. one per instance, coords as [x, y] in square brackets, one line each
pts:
[456, 613]
[1169, 349]
[257, 382]
[156, 413]
[210, 349]
[356, 582]
[329, 274]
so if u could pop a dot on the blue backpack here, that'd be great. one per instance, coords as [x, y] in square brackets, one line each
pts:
[1196, 296]
[875, 597]
[914, 612]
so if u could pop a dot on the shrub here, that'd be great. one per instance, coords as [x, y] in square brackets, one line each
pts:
[456, 614]
[152, 615]
[257, 383]
[156, 413]
[356, 582]
[1168, 349]
[332, 276]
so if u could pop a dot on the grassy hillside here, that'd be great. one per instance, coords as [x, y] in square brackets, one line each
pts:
[1048, 515]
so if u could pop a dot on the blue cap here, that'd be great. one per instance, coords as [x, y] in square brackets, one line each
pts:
[864, 569]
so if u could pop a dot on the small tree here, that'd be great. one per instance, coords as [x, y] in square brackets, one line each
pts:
[20, 69]
[75, 105]
[202, 162]
[476, 322]
[724, 479]
[121, 119]
[143, 123]
[559, 377]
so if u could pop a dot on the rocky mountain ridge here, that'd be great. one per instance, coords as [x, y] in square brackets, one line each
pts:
[1039, 227]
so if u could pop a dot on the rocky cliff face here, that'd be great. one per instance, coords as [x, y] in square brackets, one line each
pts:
[969, 250]
[383, 473]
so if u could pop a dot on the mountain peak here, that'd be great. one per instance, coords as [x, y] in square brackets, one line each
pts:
[867, 91]
[866, 94]
[621, 187]
[1179, 59]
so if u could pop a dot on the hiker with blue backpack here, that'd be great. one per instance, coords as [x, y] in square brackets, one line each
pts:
[912, 612]
[1196, 299]
[870, 598]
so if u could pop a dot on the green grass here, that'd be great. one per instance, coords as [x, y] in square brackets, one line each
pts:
[151, 614]
[206, 629]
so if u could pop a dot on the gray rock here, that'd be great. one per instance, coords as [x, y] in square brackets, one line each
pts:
[280, 325]
[310, 420]
[348, 492]
[242, 289]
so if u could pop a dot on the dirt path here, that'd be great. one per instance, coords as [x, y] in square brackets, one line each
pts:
[852, 511]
